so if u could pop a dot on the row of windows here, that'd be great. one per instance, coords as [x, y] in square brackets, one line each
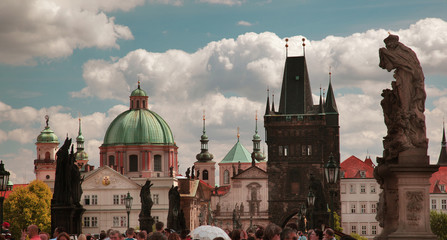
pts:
[363, 189]
[120, 199]
[133, 163]
[91, 200]
[90, 221]
[363, 208]
[304, 150]
[364, 230]
[434, 204]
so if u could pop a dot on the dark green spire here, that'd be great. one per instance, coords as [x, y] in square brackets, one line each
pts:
[442, 161]
[256, 154]
[331, 106]
[204, 155]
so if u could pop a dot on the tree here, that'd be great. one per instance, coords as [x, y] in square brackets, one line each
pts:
[29, 205]
[438, 221]
[358, 237]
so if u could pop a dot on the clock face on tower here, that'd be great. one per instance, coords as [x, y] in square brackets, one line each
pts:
[105, 180]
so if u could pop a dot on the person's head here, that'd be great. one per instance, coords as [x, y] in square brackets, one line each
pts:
[157, 236]
[219, 238]
[142, 235]
[57, 231]
[293, 226]
[32, 230]
[102, 235]
[174, 236]
[235, 234]
[63, 236]
[184, 234]
[328, 233]
[259, 233]
[311, 235]
[391, 41]
[6, 225]
[288, 234]
[114, 235]
[159, 226]
[272, 232]
[130, 232]
[82, 237]
[44, 236]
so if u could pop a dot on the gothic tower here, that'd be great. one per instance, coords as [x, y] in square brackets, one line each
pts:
[81, 155]
[205, 163]
[300, 137]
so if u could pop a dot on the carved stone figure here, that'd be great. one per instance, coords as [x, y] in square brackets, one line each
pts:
[145, 218]
[192, 172]
[188, 171]
[404, 105]
[241, 209]
[174, 209]
[198, 174]
[171, 171]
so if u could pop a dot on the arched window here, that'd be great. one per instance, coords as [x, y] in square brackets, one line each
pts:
[138, 104]
[157, 163]
[227, 177]
[133, 163]
[111, 161]
[205, 175]
[131, 104]
[144, 104]
[47, 156]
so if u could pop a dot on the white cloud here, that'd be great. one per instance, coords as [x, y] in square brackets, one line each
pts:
[244, 23]
[48, 29]
[168, 2]
[223, 2]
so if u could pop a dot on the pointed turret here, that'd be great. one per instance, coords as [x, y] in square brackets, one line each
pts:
[81, 155]
[331, 106]
[273, 103]
[321, 104]
[256, 154]
[267, 106]
[204, 155]
[442, 161]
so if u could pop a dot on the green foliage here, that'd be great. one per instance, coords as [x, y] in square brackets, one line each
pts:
[438, 221]
[358, 237]
[337, 226]
[29, 205]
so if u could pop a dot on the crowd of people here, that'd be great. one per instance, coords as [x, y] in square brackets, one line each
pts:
[270, 232]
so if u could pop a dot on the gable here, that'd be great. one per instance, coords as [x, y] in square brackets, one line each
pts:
[252, 173]
[107, 178]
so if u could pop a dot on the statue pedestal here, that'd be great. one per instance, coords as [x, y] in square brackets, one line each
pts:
[146, 223]
[406, 198]
[69, 217]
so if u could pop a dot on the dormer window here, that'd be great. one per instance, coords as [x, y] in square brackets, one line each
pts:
[362, 174]
[442, 188]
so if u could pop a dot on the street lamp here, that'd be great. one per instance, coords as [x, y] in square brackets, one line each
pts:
[4, 179]
[128, 202]
[331, 170]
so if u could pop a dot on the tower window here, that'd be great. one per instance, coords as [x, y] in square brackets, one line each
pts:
[131, 104]
[111, 161]
[280, 149]
[144, 104]
[138, 104]
[226, 177]
[205, 175]
[286, 151]
[47, 156]
[133, 163]
[157, 163]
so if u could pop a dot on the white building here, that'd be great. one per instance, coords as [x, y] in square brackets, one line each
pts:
[359, 195]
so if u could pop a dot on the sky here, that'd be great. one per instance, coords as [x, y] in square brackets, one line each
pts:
[67, 59]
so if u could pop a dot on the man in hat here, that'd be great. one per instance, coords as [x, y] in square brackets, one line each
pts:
[5, 230]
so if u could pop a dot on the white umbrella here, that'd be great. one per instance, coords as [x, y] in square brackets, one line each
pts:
[207, 232]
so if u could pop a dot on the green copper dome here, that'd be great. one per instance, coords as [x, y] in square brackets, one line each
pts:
[138, 126]
[237, 154]
[81, 156]
[138, 93]
[47, 136]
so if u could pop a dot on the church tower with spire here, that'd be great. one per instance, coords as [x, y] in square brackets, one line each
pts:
[300, 137]
[205, 164]
[47, 145]
[81, 155]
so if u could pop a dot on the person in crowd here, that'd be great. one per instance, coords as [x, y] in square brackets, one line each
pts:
[235, 234]
[159, 226]
[63, 236]
[219, 238]
[142, 235]
[82, 237]
[312, 235]
[301, 235]
[57, 231]
[328, 234]
[293, 226]
[44, 236]
[184, 234]
[5, 230]
[259, 234]
[130, 234]
[288, 234]
[32, 231]
[102, 235]
[174, 236]
[272, 232]
[115, 235]
[347, 237]
[157, 236]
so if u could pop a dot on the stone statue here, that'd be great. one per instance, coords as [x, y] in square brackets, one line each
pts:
[216, 190]
[198, 174]
[404, 105]
[171, 171]
[192, 172]
[182, 220]
[241, 209]
[174, 209]
[66, 208]
[239, 167]
[234, 170]
[145, 218]
[188, 171]
[217, 212]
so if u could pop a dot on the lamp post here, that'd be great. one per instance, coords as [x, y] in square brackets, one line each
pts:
[128, 202]
[331, 171]
[311, 203]
[4, 179]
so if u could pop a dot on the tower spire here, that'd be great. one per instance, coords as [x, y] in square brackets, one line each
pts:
[204, 155]
[267, 107]
[256, 154]
[320, 106]
[331, 106]
[287, 47]
[273, 102]
[304, 46]
[238, 135]
[442, 161]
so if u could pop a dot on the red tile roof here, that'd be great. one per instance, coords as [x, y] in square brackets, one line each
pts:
[352, 167]
[14, 187]
[438, 178]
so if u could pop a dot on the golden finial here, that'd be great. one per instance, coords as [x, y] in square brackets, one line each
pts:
[138, 83]
[287, 47]
[238, 135]
[256, 115]
[203, 115]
